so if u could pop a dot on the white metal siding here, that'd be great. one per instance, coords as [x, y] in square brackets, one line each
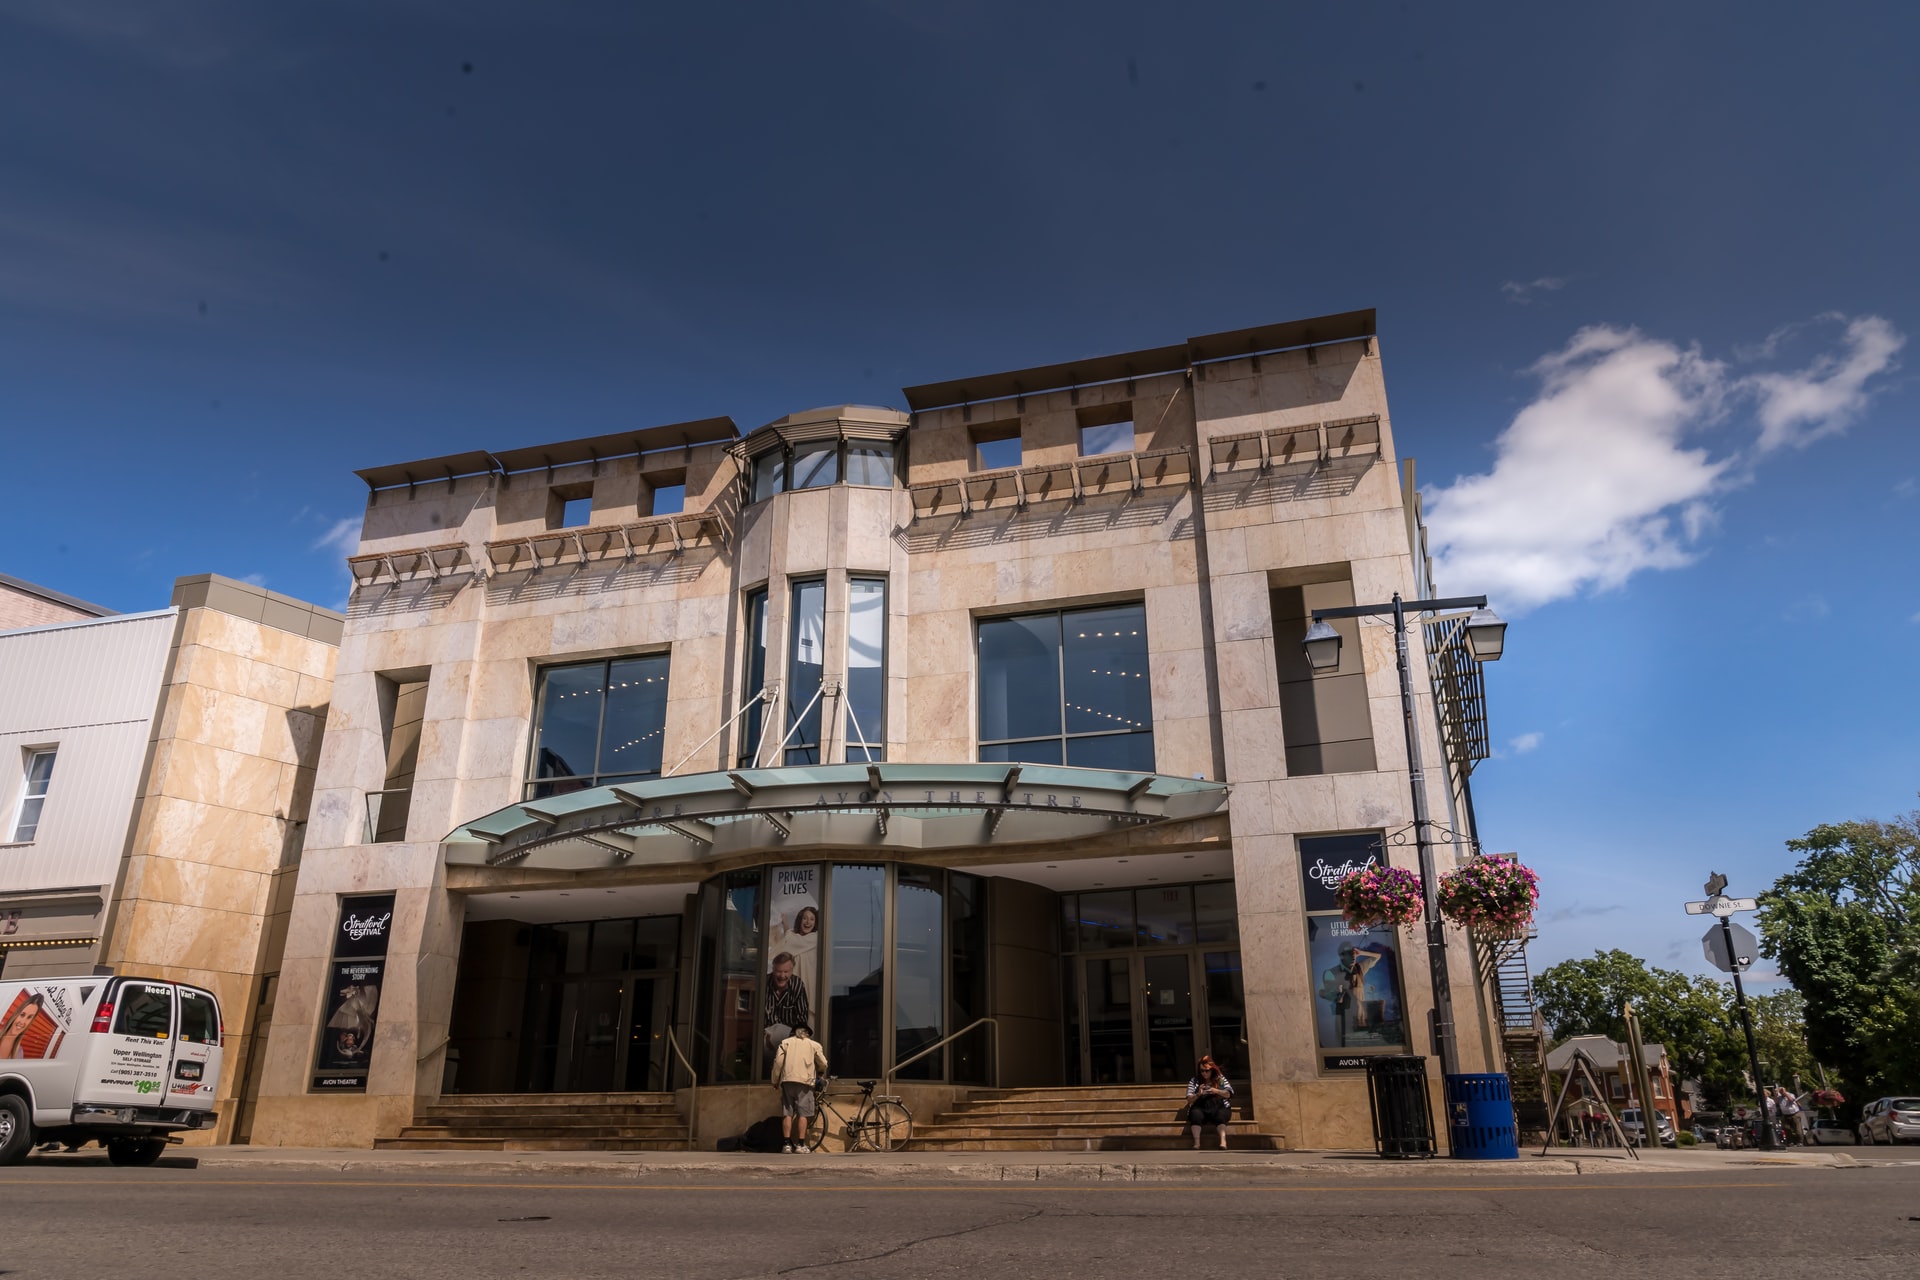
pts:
[89, 688]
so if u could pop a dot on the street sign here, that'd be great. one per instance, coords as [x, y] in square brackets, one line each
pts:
[1722, 906]
[1716, 885]
[1745, 948]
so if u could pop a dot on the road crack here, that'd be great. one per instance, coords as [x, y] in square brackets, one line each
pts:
[908, 1244]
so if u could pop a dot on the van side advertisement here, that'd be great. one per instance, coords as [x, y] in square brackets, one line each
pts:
[355, 978]
[34, 1023]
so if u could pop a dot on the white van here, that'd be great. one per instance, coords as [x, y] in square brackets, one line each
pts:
[122, 1061]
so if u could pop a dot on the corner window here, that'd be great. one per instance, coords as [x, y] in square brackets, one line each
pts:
[1068, 688]
[816, 464]
[769, 475]
[598, 723]
[996, 445]
[33, 795]
[866, 669]
[805, 666]
[870, 463]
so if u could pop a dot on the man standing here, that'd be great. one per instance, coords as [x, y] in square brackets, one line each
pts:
[797, 1063]
[787, 1004]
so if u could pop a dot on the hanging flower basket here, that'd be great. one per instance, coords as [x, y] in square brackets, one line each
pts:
[1493, 894]
[1827, 1099]
[1380, 895]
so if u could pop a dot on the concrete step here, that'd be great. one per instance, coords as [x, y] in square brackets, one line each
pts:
[545, 1115]
[1082, 1093]
[552, 1099]
[946, 1127]
[530, 1144]
[1116, 1107]
[1112, 1142]
[515, 1133]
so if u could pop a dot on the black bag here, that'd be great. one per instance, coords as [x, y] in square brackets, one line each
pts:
[763, 1136]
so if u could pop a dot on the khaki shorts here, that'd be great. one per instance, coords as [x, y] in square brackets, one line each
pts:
[796, 1099]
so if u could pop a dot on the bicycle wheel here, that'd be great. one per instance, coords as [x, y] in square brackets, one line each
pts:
[817, 1126]
[889, 1126]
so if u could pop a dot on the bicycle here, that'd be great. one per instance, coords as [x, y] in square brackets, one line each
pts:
[879, 1124]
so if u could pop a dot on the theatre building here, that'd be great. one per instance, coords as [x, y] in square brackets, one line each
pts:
[977, 734]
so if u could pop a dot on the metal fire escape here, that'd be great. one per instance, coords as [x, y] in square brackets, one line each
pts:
[1459, 696]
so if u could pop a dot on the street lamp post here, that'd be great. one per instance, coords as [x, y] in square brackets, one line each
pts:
[1486, 639]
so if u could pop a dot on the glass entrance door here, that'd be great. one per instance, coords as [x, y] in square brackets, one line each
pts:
[1149, 1016]
[1110, 1007]
[1166, 1021]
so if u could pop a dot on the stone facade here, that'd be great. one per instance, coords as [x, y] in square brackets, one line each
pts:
[1262, 468]
[187, 825]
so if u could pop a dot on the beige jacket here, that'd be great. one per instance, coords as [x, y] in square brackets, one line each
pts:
[799, 1061]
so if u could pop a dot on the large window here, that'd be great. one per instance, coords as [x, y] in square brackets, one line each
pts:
[598, 723]
[866, 670]
[33, 795]
[805, 665]
[754, 722]
[1067, 688]
[857, 917]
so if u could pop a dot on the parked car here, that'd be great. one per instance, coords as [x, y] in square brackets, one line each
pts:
[122, 1061]
[1630, 1121]
[1831, 1133]
[1889, 1120]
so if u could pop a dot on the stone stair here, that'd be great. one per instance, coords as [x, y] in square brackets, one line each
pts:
[1097, 1118]
[544, 1122]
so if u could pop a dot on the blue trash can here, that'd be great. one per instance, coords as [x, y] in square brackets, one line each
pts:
[1480, 1121]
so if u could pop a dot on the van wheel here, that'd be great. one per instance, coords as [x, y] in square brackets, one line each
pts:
[16, 1129]
[135, 1151]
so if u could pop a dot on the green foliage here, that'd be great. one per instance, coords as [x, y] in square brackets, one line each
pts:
[1693, 1017]
[1685, 1138]
[1845, 926]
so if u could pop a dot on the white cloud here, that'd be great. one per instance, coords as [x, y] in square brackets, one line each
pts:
[1526, 742]
[1906, 488]
[342, 536]
[1523, 291]
[1597, 478]
[255, 579]
[1798, 408]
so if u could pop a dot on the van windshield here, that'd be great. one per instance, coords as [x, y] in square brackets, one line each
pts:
[145, 1010]
[199, 1017]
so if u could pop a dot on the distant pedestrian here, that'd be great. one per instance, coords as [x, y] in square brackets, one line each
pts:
[798, 1065]
[1209, 1100]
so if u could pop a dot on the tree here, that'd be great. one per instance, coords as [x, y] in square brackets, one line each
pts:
[1691, 1016]
[1845, 926]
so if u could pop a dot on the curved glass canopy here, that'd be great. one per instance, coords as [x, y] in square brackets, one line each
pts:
[900, 808]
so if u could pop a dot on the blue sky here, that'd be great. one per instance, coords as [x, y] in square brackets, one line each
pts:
[247, 248]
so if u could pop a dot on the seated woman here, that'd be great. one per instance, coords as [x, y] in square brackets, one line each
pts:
[1209, 1101]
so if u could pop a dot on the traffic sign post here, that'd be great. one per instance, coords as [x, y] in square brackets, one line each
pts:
[1731, 949]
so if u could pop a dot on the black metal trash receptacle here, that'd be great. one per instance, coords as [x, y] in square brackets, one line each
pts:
[1402, 1116]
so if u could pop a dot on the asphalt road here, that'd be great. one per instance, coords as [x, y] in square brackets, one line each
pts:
[185, 1224]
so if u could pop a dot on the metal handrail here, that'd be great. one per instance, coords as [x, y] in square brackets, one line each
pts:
[886, 1077]
[693, 1107]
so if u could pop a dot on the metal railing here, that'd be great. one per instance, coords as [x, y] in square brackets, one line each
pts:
[886, 1078]
[693, 1107]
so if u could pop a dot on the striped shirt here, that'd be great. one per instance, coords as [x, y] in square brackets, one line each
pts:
[1219, 1082]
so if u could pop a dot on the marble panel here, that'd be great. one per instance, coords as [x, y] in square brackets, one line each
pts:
[938, 644]
[502, 690]
[1242, 609]
[1304, 805]
[1364, 800]
[1182, 746]
[211, 775]
[941, 707]
[1248, 674]
[1175, 619]
[1255, 748]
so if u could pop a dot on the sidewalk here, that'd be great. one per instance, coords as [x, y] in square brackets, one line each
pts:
[970, 1166]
